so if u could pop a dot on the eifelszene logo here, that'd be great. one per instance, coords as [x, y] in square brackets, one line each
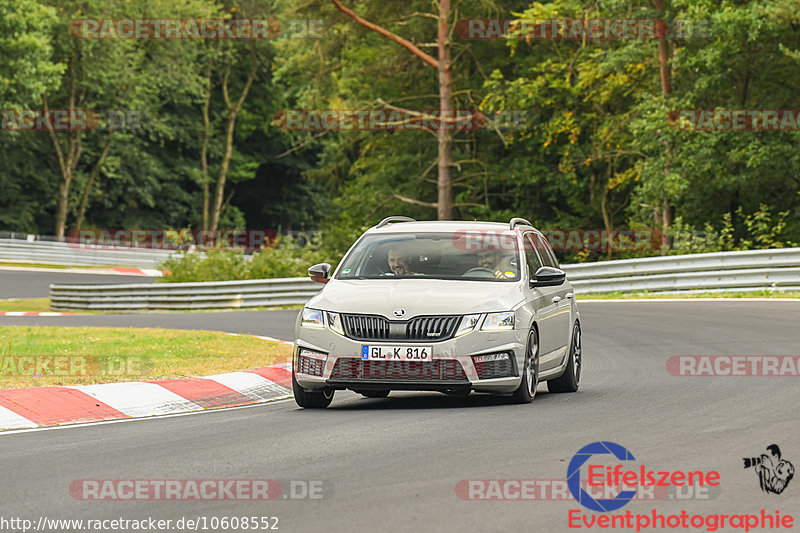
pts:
[612, 477]
[774, 473]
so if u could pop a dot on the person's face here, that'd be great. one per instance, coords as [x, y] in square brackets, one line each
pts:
[398, 262]
[487, 259]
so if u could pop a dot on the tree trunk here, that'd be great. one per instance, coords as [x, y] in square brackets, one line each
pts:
[90, 182]
[608, 224]
[204, 148]
[223, 172]
[666, 90]
[444, 204]
[66, 164]
[445, 137]
[233, 111]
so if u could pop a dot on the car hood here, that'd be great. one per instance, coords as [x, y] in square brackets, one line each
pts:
[417, 297]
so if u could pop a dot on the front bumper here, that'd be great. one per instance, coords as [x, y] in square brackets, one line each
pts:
[332, 360]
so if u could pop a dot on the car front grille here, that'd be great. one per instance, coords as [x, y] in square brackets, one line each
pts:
[417, 329]
[348, 368]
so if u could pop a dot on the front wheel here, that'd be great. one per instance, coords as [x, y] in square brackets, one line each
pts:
[530, 371]
[571, 378]
[311, 399]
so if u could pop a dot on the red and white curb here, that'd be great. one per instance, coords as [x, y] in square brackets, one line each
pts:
[116, 271]
[32, 313]
[140, 272]
[53, 406]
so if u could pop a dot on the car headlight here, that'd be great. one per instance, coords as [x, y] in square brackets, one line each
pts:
[498, 321]
[335, 323]
[467, 324]
[312, 318]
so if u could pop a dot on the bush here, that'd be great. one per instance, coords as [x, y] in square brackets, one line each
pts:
[759, 230]
[289, 257]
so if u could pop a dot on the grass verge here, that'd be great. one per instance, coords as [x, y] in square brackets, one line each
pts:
[29, 305]
[59, 267]
[40, 305]
[42, 356]
[639, 295]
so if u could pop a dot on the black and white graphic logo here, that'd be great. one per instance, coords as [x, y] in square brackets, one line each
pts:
[774, 473]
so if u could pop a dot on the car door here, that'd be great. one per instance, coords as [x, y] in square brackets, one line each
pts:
[562, 294]
[546, 307]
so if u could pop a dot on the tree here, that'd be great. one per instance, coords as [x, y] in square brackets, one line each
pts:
[121, 76]
[444, 204]
[26, 67]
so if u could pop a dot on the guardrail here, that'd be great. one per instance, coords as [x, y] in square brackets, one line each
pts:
[178, 296]
[63, 253]
[745, 270]
[748, 270]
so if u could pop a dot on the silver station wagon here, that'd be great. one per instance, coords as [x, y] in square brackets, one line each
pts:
[446, 306]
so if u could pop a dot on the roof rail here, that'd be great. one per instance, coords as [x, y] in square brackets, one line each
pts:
[396, 218]
[514, 221]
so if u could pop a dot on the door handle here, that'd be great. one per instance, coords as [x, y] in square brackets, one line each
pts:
[556, 299]
[570, 295]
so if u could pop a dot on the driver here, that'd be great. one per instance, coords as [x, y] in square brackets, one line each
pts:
[399, 261]
[490, 260]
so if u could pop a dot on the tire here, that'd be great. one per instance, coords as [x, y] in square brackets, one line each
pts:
[374, 393]
[311, 400]
[530, 371]
[571, 378]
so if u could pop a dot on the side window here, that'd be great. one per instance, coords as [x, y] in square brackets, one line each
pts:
[531, 257]
[548, 257]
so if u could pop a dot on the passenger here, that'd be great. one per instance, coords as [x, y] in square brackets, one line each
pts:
[492, 260]
[399, 261]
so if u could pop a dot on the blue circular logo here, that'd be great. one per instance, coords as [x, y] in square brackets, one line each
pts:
[574, 476]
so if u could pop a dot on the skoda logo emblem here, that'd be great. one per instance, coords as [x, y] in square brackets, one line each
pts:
[399, 312]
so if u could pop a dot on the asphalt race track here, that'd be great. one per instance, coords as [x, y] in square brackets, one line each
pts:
[393, 464]
[278, 324]
[24, 284]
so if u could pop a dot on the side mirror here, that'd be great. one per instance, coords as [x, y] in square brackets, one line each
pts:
[320, 273]
[548, 276]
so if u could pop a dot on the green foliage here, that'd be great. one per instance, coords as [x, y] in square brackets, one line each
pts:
[26, 67]
[290, 257]
[758, 230]
[600, 151]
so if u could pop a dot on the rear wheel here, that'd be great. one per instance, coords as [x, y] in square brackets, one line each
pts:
[530, 371]
[311, 399]
[571, 378]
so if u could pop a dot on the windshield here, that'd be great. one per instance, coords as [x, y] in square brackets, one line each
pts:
[462, 255]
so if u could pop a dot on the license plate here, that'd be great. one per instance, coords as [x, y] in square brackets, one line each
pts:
[396, 353]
